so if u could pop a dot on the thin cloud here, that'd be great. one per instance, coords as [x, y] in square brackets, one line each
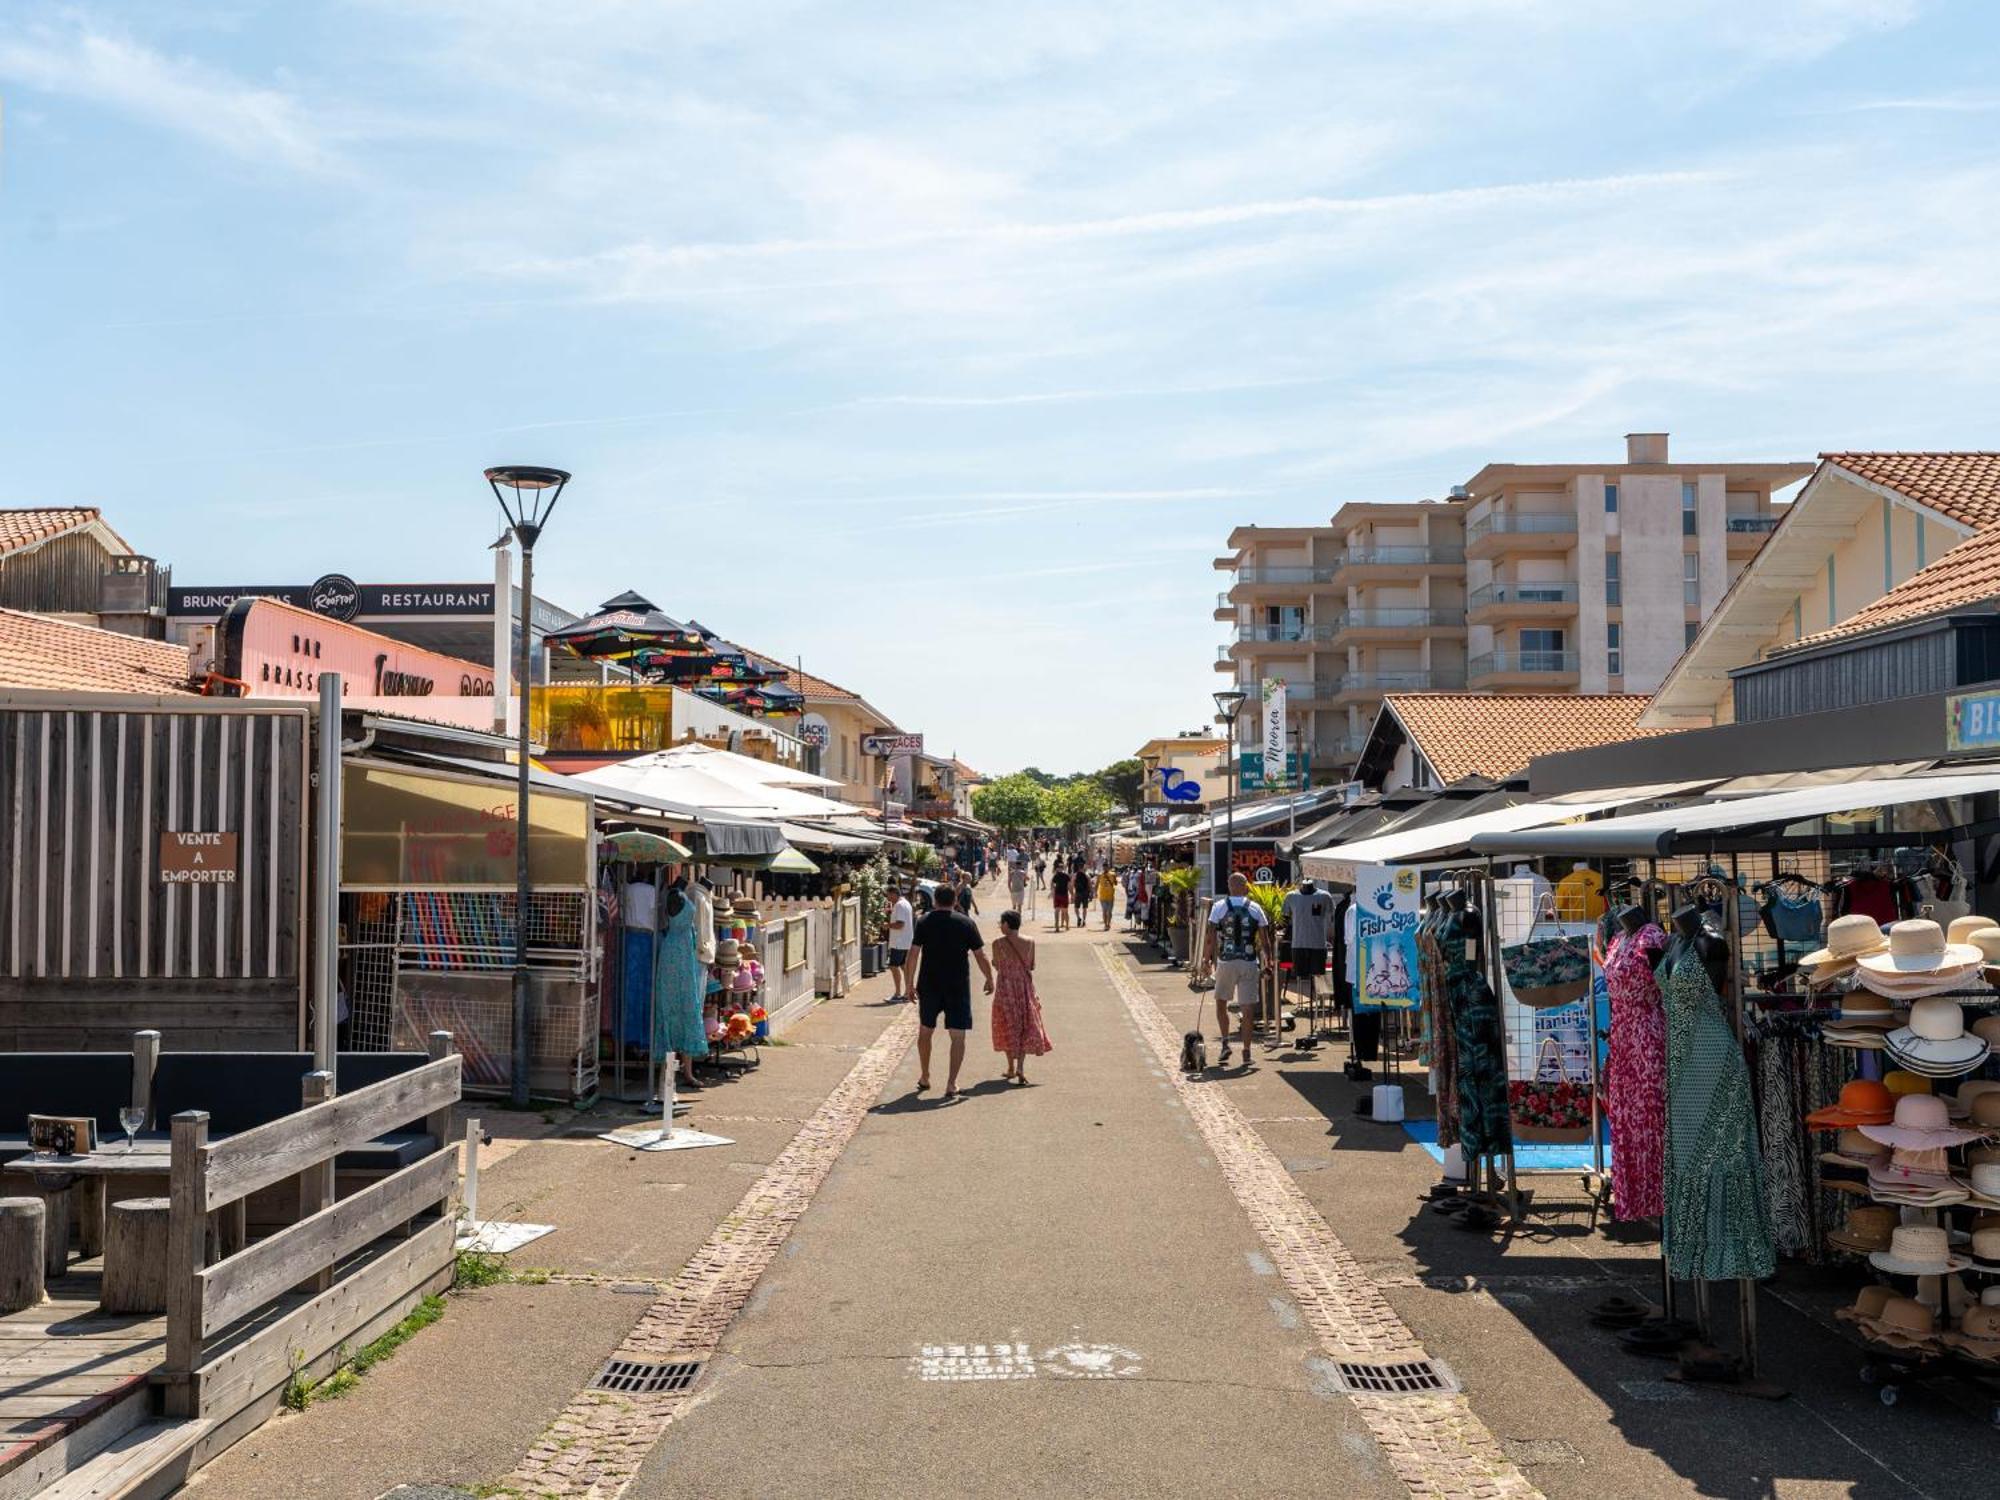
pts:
[1949, 104]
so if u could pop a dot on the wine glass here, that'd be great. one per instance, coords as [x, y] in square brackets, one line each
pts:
[131, 1117]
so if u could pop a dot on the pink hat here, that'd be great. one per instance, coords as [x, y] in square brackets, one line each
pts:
[1922, 1122]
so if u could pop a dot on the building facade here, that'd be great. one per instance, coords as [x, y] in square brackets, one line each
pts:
[1195, 759]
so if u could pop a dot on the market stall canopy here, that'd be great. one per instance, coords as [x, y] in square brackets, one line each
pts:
[1706, 824]
[1253, 815]
[745, 770]
[658, 777]
[789, 861]
[828, 840]
[637, 847]
[631, 622]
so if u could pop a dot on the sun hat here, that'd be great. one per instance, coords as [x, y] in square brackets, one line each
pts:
[1921, 1124]
[1903, 1323]
[1918, 946]
[1865, 1005]
[1898, 1082]
[1986, 1251]
[1935, 1041]
[1974, 1155]
[1847, 939]
[1904, 989]
[1990, 1297]
[1970, 1090]
[1868, 1303]
[1869, 1227]
[1920, 1179]
[1963, 929]
[1916, 1250]
[1983, 1113]
[1978, 1333]
[1853, 1149]
[1986, 939]
[1862, 1102]
[1987, 1028]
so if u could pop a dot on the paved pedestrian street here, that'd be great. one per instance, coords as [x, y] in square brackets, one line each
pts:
[1116, 1281]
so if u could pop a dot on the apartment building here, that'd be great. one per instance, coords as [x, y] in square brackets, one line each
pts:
[1530, 578]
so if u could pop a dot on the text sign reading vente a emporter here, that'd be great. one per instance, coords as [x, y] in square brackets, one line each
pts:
[197, 858]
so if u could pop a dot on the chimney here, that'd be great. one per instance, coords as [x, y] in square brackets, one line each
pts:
[1645, 447]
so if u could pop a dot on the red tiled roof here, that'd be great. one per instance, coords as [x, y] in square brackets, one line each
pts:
[1495, 735]
[38, 652]
[1968, 574]
[1962, 487]
[798, 681]
[24, 528]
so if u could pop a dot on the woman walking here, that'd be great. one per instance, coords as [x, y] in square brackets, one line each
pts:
[1017, 1011]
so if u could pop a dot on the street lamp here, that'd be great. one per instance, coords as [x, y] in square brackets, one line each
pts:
[1228, 704]
[527, 495]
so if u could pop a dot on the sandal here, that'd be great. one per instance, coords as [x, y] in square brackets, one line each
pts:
[923, 1085]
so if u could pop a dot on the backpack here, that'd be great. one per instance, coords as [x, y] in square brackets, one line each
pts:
[1237, 932]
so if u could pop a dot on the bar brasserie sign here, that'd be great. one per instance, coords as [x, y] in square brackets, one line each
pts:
[197, 858]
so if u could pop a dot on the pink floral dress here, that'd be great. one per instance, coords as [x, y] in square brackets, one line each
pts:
[1017, 1012]
[1635, 1075]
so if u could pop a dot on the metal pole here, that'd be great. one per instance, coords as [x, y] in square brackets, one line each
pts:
[503, 622]
[1229, 815]
[326, 933]
[518, 1090]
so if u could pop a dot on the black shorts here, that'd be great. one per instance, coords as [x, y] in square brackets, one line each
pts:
[1308, 963]
[956, 1012]
[898, 957]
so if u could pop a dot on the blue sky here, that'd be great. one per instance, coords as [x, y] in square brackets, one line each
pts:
[942, 344]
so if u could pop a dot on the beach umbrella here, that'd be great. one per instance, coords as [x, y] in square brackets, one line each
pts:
[635, 847]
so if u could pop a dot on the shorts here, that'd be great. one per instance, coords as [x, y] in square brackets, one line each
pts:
[1308, 963]
[1062, 900]
[898, 957]
[1107, 903]
[956, 1012]
[1236, 980]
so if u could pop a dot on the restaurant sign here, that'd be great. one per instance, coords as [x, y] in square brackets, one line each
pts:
[886, 745]
[1972, 722]
[269, 649]
[197, 858]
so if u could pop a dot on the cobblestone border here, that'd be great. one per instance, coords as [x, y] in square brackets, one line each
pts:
[1435, 1444]
[594, 1449]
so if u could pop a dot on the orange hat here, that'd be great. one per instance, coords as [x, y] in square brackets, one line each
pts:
[1862, 1102]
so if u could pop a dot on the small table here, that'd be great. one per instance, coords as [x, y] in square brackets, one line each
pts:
[92, 1171]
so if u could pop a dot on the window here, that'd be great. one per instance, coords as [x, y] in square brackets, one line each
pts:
[1542, 651]
[1611, 499]
[1691, 578]
[1613, 593]
[1688, 527]
[1614, 653]
[1689, 632]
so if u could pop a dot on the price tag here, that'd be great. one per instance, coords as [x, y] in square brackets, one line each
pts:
[1472, 950]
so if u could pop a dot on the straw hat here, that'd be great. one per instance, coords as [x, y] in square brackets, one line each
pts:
[1987, 1029]
[1921, 1124]
[1902, 989]
[1900, 1083]
[1868, 1304]
[1975, 1155]
[1978, 1333]
[1853, 1149]
[1869, 1228]
[1967, 928]
[1917, 946]
[1865, 1006]
[1936, 1042]
[1862, 1102]
[1986, 939]
[1960, 1103]
[1921, 1178]
[1916, 1250]
[1847, 939]
[1986, 1251]
[1903, 1323]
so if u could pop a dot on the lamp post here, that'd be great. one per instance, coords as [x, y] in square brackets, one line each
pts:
[527, 496]
[1228, 704]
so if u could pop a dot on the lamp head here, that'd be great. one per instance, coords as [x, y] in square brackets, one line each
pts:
[1228, 703]
[527, 495]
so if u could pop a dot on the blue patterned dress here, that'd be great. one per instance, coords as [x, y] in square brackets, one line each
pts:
[679, 980]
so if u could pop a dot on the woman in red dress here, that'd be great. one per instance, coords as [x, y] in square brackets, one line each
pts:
[1017, 1013]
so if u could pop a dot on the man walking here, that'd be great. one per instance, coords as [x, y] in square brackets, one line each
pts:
[902, 925]
[1017, 881]
[1237, 937]
[942, 978]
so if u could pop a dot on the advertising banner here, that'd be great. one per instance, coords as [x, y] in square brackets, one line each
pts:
[1277, 770]
[1385, 937]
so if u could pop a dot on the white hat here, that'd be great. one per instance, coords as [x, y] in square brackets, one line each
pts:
[1917, 1250]
[1935, 1040]
[1919, 947]
[1847, 939]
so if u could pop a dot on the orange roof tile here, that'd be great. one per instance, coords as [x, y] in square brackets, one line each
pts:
[38, 652]
[1962, 487]
[24, 528]
[1968, 574]
[1495, 735]
[798, 681]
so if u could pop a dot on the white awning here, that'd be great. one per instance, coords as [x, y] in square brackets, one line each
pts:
[1696, 827]
[1424, 843]
[828, 840]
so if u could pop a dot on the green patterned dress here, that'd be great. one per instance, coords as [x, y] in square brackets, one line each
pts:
[1718, 1226]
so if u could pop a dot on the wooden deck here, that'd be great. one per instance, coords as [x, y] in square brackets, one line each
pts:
[65, 1366]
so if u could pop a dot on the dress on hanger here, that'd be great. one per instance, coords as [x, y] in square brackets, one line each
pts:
[1017, 1010]
[1635, 1074]
[680, 981]
[1718, 1225]
[1481, 1052]
[637, 939]
[1443, 1059]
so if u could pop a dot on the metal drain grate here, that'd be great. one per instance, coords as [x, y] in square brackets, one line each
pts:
[647, 1377]
[1415, 1377]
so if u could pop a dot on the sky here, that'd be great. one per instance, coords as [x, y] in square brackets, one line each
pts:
[941, 345]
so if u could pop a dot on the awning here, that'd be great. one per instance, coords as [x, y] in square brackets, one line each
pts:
[1251, 816]
[1699, 826]
[828, 840]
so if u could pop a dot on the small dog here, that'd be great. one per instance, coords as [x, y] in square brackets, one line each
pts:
[1194, 1053]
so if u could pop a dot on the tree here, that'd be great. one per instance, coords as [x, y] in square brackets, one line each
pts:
[1075, 803]
[1125, 782]
[1011, 803]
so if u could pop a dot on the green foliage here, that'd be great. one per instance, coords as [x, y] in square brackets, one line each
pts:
[926, 860]
[871, 884]
[301, 1392]
[1074, 804]
[1270, 898]
[1124, 781]
[476, 1268]
[1012, 803]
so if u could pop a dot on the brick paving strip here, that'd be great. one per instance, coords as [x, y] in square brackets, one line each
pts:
[1434, 1443]
[595, 1447]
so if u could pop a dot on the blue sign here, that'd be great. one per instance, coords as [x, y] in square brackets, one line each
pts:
[1175, 786]
[1972, 721]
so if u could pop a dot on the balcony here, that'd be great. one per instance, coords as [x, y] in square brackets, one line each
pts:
[1377, 564]
[1523, 669]
[1555, 600]
[1491, 536]
[1743, 535]
[1275, 574]
[1225, 608]
[1390, 622]
[1283, 635]
[1369, 687]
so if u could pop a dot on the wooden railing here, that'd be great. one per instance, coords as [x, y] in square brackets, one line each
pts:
[215, 1377]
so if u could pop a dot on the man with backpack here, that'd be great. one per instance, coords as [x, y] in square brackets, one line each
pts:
[1238, 941]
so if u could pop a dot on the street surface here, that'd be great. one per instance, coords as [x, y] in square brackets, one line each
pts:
[1112, 1282]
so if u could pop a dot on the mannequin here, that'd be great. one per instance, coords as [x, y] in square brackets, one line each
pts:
[1632, 918]
[1309, 916]
[1712, 950]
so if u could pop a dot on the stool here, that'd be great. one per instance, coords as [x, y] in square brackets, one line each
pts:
[22, 1222]
[135, 1256]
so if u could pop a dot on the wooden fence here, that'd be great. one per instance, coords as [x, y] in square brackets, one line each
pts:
[239, 1327]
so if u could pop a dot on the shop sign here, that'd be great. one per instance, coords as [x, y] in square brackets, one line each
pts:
[1385, 937]
[279, 652]
[1251, 858]
[1276, 766]
[339, 597]
[889, 745]
[1154, 819]
[814, 732]
[1252, 774]
[197, 858]
[1972, 722]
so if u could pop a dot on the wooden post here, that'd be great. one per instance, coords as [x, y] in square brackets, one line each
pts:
[135, 1258]
[145, 1059]
[316, 1181]
[187, 1239]
[22, 1221]
[438, 1122]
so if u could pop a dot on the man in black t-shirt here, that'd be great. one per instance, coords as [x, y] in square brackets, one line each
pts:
[939, 972]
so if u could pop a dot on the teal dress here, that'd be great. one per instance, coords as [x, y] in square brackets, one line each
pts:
[1479, 1049]
[679, 981]
[1718, 1223]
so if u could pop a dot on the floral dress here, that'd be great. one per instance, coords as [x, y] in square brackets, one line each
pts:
[1479, 1049]
[1635, 1075]
[680, 979]
[1017, 1011]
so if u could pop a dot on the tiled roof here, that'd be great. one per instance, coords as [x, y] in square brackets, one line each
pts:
[24, 528]
[1968, 574]
[1496, 734]
[38, 652]
[801, 682]
[1962, 487]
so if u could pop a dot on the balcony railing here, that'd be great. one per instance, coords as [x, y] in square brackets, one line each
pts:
[1375, 557]
[1521, 593]
[1284, 633]
[1496, 663]
[1393, 618]
[1555, 523]
[1752, 525]
[1442, 679]
[1283, 574]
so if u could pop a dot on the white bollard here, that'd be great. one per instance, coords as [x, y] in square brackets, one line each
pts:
[472, 1172]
